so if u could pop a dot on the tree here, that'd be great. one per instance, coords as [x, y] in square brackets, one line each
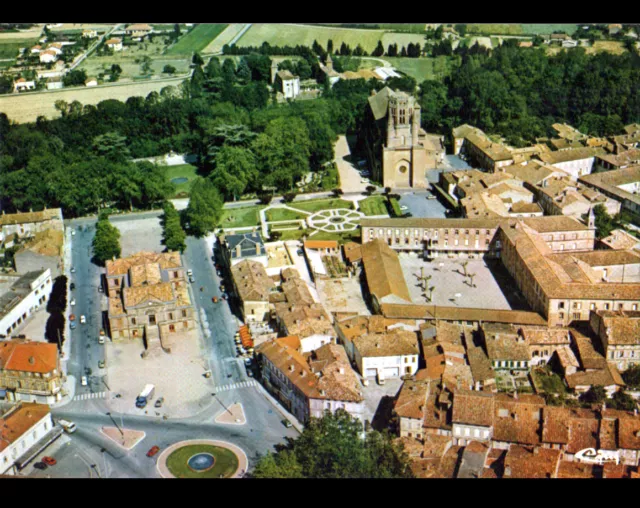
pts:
[631, 376]
[176, 30]
[197, 59]
[75, 78]
[173, 236]
[330, 46]
[431, 289]
[204, 210]
[623, 401]
[333, 447]
[379, 51]
[106, 242]
[288, 197]
[265, 198]
[595, 395]
[169, 69]
[243, 72]
[235, 170]
[111, 145]
[604, 221]
[461, 29]
[464, 265]
[116, 70]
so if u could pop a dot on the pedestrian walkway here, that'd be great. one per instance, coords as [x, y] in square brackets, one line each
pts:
[87, 396]
[236, 386]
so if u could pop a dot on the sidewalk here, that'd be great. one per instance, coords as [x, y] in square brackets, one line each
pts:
[294, 421]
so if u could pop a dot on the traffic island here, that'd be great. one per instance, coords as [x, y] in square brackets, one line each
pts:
[127, 439]
[202, 458]
[233, 415]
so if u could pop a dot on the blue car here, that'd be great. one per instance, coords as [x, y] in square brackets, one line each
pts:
[72, 325]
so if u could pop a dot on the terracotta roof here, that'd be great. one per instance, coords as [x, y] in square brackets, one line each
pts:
[19, 420]
[29, 217]
[479, 362]
[297, 292]
[337, 380]
[321, 244]
[114, 41]
[352, 251]
[252, 281]
[503, 343]
[47, 243]
[604, 377]
[121, 266]
[576, 470]
[383, 271]
[534, 335]
[473, 408]
[609, 181]
[139, 27]
[622, 327]
[523, 207]
[619, 239]
[305, 320]
[536, 462]
[412, 399]
[28, 356]
[518, 420]
[396, 343]
[154, 294]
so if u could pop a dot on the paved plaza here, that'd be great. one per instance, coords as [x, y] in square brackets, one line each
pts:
[448, 279]
[178, 377]
[138, 235]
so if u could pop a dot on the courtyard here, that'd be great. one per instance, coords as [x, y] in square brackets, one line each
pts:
[342, 295]
[139, 234]
[178, 377]
[379, 400]
[492, 290]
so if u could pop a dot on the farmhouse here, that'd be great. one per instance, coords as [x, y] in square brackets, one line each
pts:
[138, 30]
[114, 44]
[48, 56]
[91, 82]
[22, 84]
[89, 34]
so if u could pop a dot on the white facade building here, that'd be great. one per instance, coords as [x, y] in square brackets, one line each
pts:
[26, 295]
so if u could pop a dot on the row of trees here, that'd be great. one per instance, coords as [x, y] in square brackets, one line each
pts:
[173, 235]
[106, 242]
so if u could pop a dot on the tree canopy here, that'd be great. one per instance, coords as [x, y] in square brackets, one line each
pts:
[333, 447]
[106, 242]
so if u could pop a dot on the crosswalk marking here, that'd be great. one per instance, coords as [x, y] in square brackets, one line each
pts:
[87, 396]
[235, 386]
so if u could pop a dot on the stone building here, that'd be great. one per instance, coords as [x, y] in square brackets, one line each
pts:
[26, 295]
[401, 154]
[43, 251]
[252, 285]
[27, 224]
[619, 332]
[30, 371]
[148, 298]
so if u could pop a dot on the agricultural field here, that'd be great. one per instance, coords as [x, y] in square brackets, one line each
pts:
[126, 59]
[66, 27]
[9, 47]
[23, 108]
[226, 36]
[402, 39]
[423, 68]
[197, 39]
[495, 29]
[615, 47]
[34, 33]
[285, 34]
[547, 28]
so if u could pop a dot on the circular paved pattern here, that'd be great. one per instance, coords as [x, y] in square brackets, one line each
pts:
[335, 220]
[243, 462]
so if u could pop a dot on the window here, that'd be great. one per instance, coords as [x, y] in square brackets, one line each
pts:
[561, 305]
[172, 328]
[477, 231]
[592, 306]
[634, 306]
[576, 315]
[175, 275]
[406, 360]
[171, 316]
[561, 315]
[486, 242]
[185, 324]
[133, 321]
[184, 313]
[606, 306]
[577, 305]
[446, 231]
[116, 282]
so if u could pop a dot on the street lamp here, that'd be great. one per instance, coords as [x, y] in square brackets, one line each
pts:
[116, 424]
[96, 470]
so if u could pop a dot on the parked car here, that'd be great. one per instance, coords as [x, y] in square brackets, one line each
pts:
[431, 196]
[219, 273]
[224, 296]
[73, 269]
[191, 279]
[102, 364]
[214, 299]
[83, 319]
[222, 287]
[72, 302]
[404, 208]
[300, 252]
[247, 361]
[72, 317]
[159, 402]
[73, 232]
[153, 450]
[72, 286]
[364, 180]
[101, 339]
[189, 272]
[83, 381]
[249, 371]
[100, 288]
[40, 465]
[73, 325]
[287, 423]
[49, 461]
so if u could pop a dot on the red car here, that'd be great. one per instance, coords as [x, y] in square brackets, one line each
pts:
[214, 299]
[72, 317]
[49, 461]
[153, 451]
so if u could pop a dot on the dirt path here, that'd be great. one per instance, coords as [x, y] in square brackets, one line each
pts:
[350, 179]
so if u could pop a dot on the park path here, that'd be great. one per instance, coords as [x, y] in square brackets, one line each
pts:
[349, 175]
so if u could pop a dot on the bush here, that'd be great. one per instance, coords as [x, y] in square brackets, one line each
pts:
[337, 192]
[265, 199]
[289, 197]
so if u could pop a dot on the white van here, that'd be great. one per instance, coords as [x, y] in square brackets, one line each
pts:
[69, 427]
[381, 378]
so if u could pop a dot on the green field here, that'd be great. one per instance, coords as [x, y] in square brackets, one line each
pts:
[321, 204]
[277, 214]
[423, 68]
[542, 28]
[375, 205]
[182, 171]
[226, 462]
[197, 39]
[9, 47]
[245, 217]
[284, 34]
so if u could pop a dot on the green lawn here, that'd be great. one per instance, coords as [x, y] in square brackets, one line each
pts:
[331, 179]
[9, 47]
[321, 204]
[423, 68]
[374, 205]
[276, 214]
[197, 39]
[395, 208]
[547, 381]
[296, 234]
[226, 462]
[241, 217]
[182, 171]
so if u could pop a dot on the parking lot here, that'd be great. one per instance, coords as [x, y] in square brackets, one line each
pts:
[447, 277]
[178, 377]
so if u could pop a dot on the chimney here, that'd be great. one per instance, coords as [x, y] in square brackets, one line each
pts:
[32, 360]
[291, 368]
[238, 250]
[322, 392]
[257, 249]
[341, 370]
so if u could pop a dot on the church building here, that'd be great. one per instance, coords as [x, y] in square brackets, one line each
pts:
[401, 154]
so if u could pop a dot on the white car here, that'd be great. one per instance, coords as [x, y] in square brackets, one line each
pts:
[404, 208]
[364, 180]
[73, 302]
[73, 232]
[101, 340]
[83, 319]
[83, 381]
[73, 270]
[189, 272]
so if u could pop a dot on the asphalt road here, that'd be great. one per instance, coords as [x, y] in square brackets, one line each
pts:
[263, 429]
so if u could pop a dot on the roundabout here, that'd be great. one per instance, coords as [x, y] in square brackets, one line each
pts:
[335, 220]
[202, 458]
